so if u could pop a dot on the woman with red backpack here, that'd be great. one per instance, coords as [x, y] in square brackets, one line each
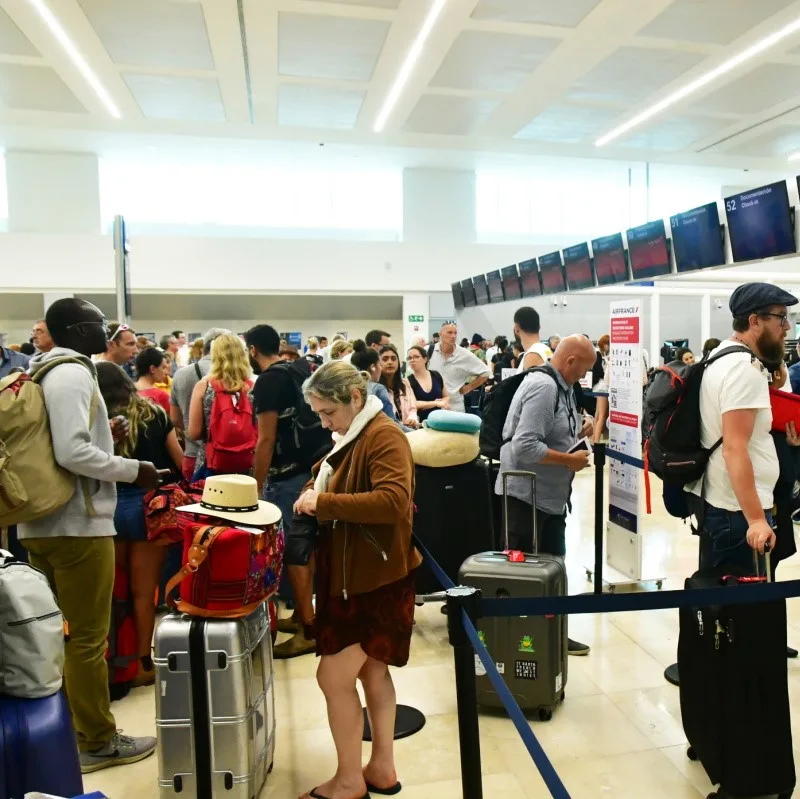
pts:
[221, 413]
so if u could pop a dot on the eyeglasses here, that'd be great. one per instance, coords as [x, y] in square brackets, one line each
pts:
[781, 317]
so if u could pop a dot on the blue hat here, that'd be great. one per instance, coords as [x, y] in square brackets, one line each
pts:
[752, 297]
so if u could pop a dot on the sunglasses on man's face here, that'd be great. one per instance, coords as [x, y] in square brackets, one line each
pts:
[83, 325]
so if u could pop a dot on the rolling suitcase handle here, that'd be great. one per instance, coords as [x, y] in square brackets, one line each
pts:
[529, 476]
[767, 564]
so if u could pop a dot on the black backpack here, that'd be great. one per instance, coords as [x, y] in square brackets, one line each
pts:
[671, 422]
[301, 436]
[497, 405]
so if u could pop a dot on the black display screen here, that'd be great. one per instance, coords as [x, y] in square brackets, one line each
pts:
[697, 238]
[468, 290]
[647, 246]
[458, 295]
[529, 277]
[578, 265]
[552, 272]
[610, 263]
[760, 223]
[481, 289]
[495, 286]
[511, 286]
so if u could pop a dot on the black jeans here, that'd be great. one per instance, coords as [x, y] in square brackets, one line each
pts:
[551, 529]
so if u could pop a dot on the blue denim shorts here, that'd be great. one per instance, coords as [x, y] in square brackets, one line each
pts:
[724, 540]
[284, 493]
[129, 514]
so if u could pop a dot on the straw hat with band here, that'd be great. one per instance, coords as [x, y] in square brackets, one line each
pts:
[234, 497]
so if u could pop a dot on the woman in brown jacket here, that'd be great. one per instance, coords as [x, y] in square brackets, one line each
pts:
[362, 496]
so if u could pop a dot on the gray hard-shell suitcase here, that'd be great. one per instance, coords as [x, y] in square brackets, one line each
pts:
[215, 705]
[529, 651]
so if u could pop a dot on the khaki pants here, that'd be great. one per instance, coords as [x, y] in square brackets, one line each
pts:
[81, 574]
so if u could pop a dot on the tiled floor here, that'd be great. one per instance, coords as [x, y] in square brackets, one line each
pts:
[618, 734]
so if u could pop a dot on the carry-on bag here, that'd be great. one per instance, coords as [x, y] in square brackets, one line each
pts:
[529, 651]
[453, 517]
[215, 705]
[38, 751]
[734, 689]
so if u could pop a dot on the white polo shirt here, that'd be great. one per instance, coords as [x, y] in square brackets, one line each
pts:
[457, 370]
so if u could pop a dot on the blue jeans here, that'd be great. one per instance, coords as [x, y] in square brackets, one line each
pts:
[129, 514]
[724, 541]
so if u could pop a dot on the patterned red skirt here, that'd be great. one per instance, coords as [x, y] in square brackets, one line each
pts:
[380, 621]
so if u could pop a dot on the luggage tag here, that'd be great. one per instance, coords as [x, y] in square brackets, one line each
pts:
[514, 555]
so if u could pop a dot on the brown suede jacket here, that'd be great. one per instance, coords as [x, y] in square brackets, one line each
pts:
[370, 503]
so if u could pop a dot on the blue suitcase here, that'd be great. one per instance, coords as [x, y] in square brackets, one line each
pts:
[38, 751]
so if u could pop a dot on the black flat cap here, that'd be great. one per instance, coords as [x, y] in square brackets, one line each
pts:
[752, 297]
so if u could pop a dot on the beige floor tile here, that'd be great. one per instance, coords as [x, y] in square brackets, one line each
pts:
[654, 711]
[495, 786]
[622, 667]
[692, 770]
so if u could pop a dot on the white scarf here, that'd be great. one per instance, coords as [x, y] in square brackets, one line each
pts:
[372, 407]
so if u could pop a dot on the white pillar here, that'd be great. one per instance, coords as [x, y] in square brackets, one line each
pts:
[53, 192]
[416, 319]
[705, 320]
[655, 330]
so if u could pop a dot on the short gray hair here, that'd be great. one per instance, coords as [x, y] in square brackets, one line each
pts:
[335, 381]
[210, 337]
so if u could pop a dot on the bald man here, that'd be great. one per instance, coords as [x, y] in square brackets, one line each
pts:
[542, 425]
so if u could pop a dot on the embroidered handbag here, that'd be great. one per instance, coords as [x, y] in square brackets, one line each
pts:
[160, 515]
[228, 571]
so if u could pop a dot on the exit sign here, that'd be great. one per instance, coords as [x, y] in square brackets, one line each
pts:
[416, 318]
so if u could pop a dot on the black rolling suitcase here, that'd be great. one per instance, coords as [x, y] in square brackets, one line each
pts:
[735, 693]
[453, 518]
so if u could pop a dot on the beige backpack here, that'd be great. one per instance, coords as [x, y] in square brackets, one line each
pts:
[32, 484]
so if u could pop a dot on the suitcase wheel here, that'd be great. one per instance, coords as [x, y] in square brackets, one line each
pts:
[545, 714]
[691, 754]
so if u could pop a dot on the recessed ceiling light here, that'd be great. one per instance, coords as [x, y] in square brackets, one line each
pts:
[72, 51]
[697, 84]
[408, 65]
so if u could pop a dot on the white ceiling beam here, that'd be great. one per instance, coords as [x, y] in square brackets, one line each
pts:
[83, 35]
[401, 36]
[261, 29]
[609, 26]
[518, 28]
[225, 39]
[681, 45]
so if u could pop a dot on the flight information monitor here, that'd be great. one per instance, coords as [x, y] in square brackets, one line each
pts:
[552, 272]
[698, 238]
[458, 296]
[647, 246]
[468, 291]
[578, 265]
[495, 286]
[481, 289]
[511, 285]
[529, 277]
[760, 223]
[610, 263]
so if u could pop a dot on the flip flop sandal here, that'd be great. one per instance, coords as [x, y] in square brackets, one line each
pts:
[393, 791]
[315, 795]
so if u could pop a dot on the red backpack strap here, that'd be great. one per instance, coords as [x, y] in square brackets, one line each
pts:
[198, 552]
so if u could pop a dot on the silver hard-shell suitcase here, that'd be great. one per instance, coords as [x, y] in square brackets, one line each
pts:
[215, 705]
[529, 651]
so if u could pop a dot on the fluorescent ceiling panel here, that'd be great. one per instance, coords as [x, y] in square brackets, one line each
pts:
[36, 88]
[447, 115]
[712, 21]
[152, 33]
[316, 107]
[767, 85]
[177, 98]
[12, 40]
[568, 124]
[313, 46]
[631, 74]
[565, 13]
[492, 61]
[674, 134]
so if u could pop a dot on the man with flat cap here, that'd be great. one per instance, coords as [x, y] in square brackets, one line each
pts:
[735, 407]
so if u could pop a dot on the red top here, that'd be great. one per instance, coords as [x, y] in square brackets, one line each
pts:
[157, 395]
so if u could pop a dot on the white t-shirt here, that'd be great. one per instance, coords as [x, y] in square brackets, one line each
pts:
[542, 350]
[736, 382]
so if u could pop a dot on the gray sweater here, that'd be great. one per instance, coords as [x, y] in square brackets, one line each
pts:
[68, 390]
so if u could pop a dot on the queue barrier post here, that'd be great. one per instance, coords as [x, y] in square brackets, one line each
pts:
[599, 514]
[462, 600]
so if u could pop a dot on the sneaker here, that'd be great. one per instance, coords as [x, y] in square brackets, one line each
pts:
[119, 751]
[577, 648]
[299, 644]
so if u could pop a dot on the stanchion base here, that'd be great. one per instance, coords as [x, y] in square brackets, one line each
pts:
[409, 721]
[671, 675]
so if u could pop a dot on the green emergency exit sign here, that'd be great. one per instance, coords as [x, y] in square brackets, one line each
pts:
[416, 318]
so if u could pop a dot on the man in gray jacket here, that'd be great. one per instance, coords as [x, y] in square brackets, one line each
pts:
[74, 546]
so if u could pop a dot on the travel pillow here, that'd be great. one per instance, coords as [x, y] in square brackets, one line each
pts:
[453, 422]
[439, 448]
